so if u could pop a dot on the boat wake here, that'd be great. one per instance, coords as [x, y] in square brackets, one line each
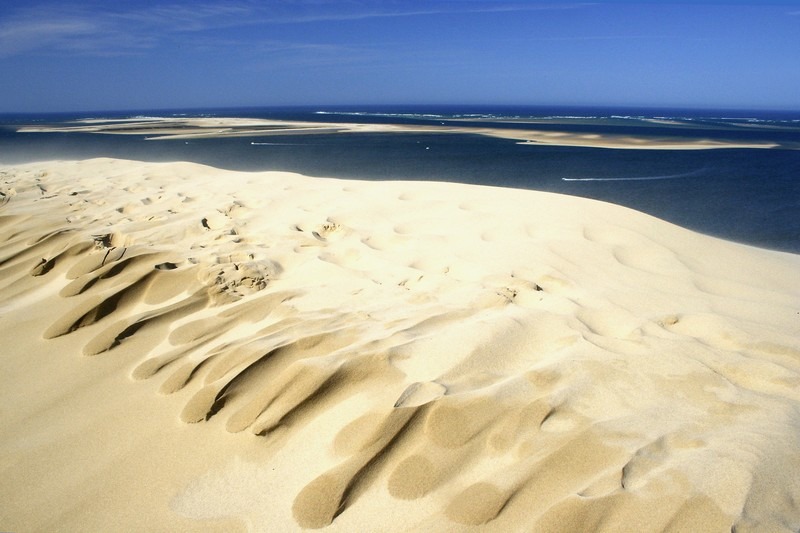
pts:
[277, 144]
[691, 174]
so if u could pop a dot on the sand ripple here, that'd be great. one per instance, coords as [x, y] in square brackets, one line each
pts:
[388, 356]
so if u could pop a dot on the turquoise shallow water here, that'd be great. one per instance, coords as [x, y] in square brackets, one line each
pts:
[746, 195]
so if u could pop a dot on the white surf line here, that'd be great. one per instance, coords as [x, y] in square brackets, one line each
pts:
[643, 178]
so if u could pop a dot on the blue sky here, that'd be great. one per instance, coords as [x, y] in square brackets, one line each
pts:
[100, 55]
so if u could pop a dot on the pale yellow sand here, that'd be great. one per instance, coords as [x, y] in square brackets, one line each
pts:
[186, 348]
[192, 128]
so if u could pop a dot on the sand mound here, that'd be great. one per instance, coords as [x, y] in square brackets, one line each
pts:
[187, 348]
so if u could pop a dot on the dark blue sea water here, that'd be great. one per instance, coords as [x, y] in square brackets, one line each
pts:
[745, 195]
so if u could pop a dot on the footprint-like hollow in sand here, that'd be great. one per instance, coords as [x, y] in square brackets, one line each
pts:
[454, 425]
[477, 504]
[413, 478]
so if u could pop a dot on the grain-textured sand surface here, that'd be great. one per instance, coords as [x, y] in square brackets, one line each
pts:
[191, 349]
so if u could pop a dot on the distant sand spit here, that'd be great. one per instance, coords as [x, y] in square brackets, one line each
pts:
[160, 128]
[192, 349]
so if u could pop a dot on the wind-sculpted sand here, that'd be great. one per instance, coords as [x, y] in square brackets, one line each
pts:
[186, 348]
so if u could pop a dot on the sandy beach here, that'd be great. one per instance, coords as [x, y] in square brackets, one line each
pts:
[162, 128]
[193, 349]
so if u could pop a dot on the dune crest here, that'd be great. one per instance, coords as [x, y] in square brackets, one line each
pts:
[269, 351]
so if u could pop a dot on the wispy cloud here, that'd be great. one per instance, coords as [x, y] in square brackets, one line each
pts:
[99, 28]
[189, 17]
[23, 35]
[111, 29]
[322, 11]
[64, 28]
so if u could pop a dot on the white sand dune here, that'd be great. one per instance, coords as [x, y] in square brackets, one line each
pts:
[186, 348]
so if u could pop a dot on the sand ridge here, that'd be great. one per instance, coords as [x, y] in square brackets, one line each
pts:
[269, 351]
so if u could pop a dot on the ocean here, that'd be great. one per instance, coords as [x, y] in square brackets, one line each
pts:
[741, 194]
